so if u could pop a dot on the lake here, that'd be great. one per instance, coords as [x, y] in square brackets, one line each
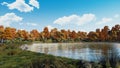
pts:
[84, 51]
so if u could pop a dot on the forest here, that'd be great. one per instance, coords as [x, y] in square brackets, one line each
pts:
[8, 35]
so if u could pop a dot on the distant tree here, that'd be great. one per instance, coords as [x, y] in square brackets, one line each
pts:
[1, 33]
[117, 27]
[98, 34]
[115, 32]
[45, 33]
[55, 35]
[93, 36]
[34, 35]
[73, 35]
[118, 36]
[64, 35]
[81, 35]
[22, 35]
[9, 33]
[104, 34]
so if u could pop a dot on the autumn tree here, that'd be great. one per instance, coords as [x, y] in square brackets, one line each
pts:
[9, 33]
[34, 35]
[98, 34]
[117, 27]
[64, 35]
[118, 36]
[1, 33]
[68, 35]
[73, 35]
[22, 35]
[56, 35]
[45, 34]
[82, 35]
[104, 36]
[93, 36]
[115, 33]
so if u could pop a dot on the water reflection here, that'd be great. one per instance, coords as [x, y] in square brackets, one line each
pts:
[85, 51]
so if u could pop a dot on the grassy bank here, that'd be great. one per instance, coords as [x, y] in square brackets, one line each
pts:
[11, 56]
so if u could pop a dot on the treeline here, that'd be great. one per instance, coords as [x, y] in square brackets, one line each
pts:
[105, 34]
[8, 34]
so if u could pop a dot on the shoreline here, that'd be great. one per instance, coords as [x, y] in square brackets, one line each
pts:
[37, 44]
[39, 59]
[73, 43]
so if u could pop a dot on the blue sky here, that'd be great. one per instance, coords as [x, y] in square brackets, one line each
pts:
[79, 15]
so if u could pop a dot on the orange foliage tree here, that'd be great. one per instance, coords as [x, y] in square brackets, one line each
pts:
[34, 35]
[22, 35]
[9, 33]
[55, 35]
[1, 33]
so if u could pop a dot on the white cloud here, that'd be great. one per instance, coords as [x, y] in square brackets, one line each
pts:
[34, 3]
[9, 18]
[4, 3]
[75, 19]
[21, 5]
[116, 16]
[29, 24]
[105, 20]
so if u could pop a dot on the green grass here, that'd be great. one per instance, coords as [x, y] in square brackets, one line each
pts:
[11, 56]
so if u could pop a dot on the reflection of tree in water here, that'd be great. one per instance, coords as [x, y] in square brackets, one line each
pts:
[46, 50]
[106, 54]
[98, 51]
[109, 55]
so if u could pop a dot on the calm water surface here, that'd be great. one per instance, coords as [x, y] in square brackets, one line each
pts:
[82, 51]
